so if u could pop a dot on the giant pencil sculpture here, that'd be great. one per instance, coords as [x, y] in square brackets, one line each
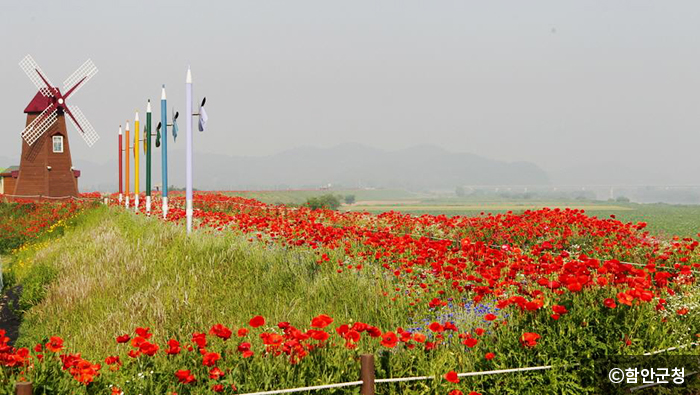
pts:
[126, 165]
[136, 162]
[148, 148]
[202, 114]
[121, 181]
[164, 150]
[188, 149]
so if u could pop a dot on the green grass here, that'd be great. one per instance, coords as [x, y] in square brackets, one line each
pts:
[117, 271]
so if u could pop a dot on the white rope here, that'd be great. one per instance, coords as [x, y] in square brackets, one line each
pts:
[304, 389]
[467, 374]
[671, 349]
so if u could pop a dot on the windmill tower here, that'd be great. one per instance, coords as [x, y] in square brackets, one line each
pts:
[46, 168]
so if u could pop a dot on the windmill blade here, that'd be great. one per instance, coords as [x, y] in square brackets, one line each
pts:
[40, 125]
[175, 128]
[81, 123]
[36, 75]
[78, 79]
[203, 118]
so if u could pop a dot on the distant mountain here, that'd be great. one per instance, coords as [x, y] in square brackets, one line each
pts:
[423, 167]
[353, 165]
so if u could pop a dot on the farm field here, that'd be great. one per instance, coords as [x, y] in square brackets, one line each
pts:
[265, 297]
[663, 219]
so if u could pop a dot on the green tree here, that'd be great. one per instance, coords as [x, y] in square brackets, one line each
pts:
[349, 199]
[327, 201]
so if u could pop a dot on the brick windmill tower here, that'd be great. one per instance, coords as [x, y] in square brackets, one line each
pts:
[46, 168]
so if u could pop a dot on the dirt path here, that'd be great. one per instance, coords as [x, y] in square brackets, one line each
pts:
[8, 302]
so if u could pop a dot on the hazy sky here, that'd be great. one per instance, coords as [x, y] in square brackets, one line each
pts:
[560, 83]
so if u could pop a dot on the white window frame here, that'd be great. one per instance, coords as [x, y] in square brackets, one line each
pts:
[53, 141]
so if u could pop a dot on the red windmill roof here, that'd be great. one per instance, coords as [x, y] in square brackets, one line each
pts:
[38, 104]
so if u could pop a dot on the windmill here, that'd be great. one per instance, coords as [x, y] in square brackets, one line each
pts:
[46, 168]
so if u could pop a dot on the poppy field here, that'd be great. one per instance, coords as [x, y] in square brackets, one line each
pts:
[266, 297]
[24, 221]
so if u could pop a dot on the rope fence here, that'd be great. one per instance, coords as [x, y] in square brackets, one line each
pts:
[368, 381]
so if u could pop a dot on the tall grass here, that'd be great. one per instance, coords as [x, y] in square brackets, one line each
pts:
[118, 272]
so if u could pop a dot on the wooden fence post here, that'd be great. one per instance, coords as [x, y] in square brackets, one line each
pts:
[367, 374]
[23, 388]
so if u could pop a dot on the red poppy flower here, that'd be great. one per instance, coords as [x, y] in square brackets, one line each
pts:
[419, 337]
[272, 339]
[200, 339]
[210, 358]
[144, 332]
[436, 327]
[215, 373]
[609, 303]
[374, 331]
[123, 338]
[353, 336]
[55, 344]
[489, 356]
[490, 317]
[173, 347]
[625, 298]
[529, 339]
[257, 321]
[470, 342]
[217, 388]
[242, 332]
[452, 377]
[220, 331]
[149, 349]
[389, 340]
[245, 346]
[185, 376]
[321, 321]
[559, 309]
